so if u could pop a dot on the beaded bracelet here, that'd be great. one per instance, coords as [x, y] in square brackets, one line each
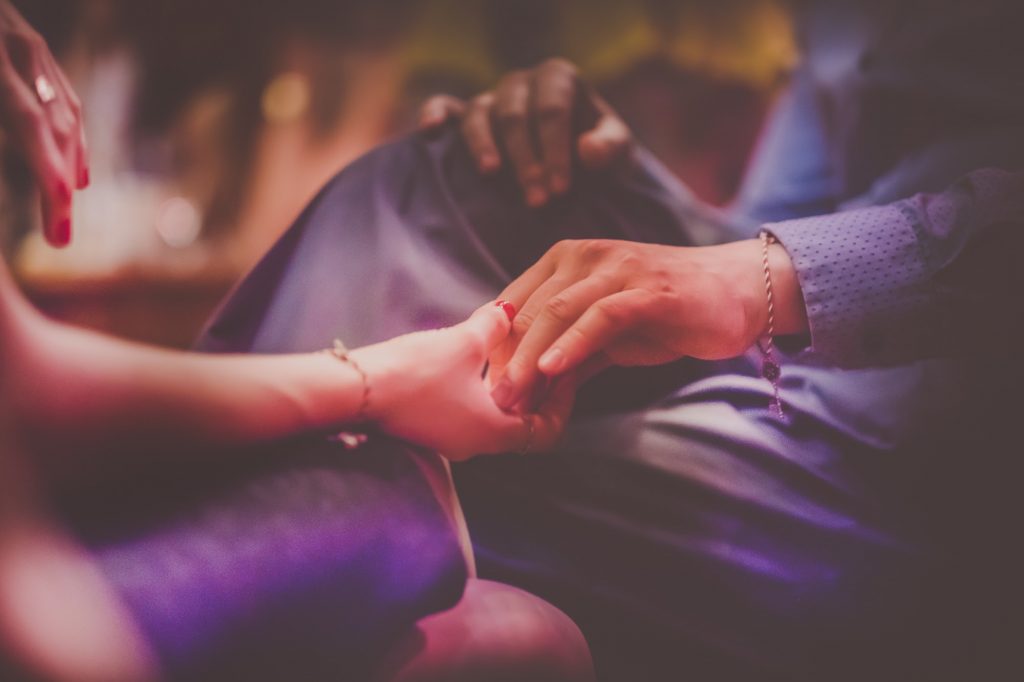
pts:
[770, 368]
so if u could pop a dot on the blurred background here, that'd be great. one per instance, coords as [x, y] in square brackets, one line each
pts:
[211, 123]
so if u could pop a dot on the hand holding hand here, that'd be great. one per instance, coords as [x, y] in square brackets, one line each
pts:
[638, 304]
[535, 119]
[428, 388]
[43, 119]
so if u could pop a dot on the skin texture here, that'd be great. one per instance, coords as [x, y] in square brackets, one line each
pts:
[590, 303]
[48, 136]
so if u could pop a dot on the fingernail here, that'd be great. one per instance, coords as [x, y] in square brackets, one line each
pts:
[558, 183]
[63, 193]
[84, 180]
[552, 361]
[502, 394]
[509, 309]
[535, 196]
[62, 233]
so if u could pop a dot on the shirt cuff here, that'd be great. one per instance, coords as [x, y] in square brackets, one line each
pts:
[864, 284]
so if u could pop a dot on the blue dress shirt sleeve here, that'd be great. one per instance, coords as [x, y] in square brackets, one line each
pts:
[929, 276]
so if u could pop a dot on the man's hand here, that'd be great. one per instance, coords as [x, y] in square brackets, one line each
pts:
[536, 119]
[628, 303]
[43, 119]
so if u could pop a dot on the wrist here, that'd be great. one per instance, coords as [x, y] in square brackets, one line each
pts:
[378, 373]
[790, 312]
[744, 271]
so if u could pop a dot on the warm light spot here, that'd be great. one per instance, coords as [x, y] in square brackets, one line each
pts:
[286, 98]
[178, 222]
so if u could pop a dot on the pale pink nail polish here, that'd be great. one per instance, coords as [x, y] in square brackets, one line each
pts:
[552, 361]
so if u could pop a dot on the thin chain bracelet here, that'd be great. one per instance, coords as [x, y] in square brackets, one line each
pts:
[770, 368]
[347, 438]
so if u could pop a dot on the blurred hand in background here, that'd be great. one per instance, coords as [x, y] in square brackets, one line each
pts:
[536, 119]
[43, 120]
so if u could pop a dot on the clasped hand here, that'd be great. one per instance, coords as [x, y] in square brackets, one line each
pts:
[590, 303]
[429, 388]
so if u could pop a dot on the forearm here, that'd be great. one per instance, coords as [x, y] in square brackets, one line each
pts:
[89, 391]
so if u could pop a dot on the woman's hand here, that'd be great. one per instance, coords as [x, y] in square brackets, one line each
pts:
[537, 118]
[428, 388]
[43, 120]
[628, 303]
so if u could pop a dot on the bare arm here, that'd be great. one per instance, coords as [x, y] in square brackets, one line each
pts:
[82, 389]
[75, 391]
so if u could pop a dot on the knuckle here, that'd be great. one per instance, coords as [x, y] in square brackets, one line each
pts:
[522, 324]
[558, 309]
[552, 111]
[511, 116]
[630, 262]
[562, 65]
[595, 249]
[609, 312]
[483, 101]
[563, 247]
[530, 173]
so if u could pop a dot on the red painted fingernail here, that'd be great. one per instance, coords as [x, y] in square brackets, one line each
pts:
[62, 233]
[85, 178]
[509, 309]
[63, 193]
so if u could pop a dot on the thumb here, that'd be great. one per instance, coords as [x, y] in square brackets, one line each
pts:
[490, 324]
[605, 143]
[439, 109]
[607, 137]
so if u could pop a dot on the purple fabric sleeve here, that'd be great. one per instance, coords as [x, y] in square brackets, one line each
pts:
[932, 275]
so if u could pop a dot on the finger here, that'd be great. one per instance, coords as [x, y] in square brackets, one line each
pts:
[554, 88]
[523, 321]
[63, 136]
[489, 324]
[520, 289]
[549, 421]
[36, 143]
[512, 115]
[81, 147]
[438, 109]
[559, 311]
[596, 329]
[556, 316]
[607, 141]
[516, 294]
[56, 133]
[479, 135]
